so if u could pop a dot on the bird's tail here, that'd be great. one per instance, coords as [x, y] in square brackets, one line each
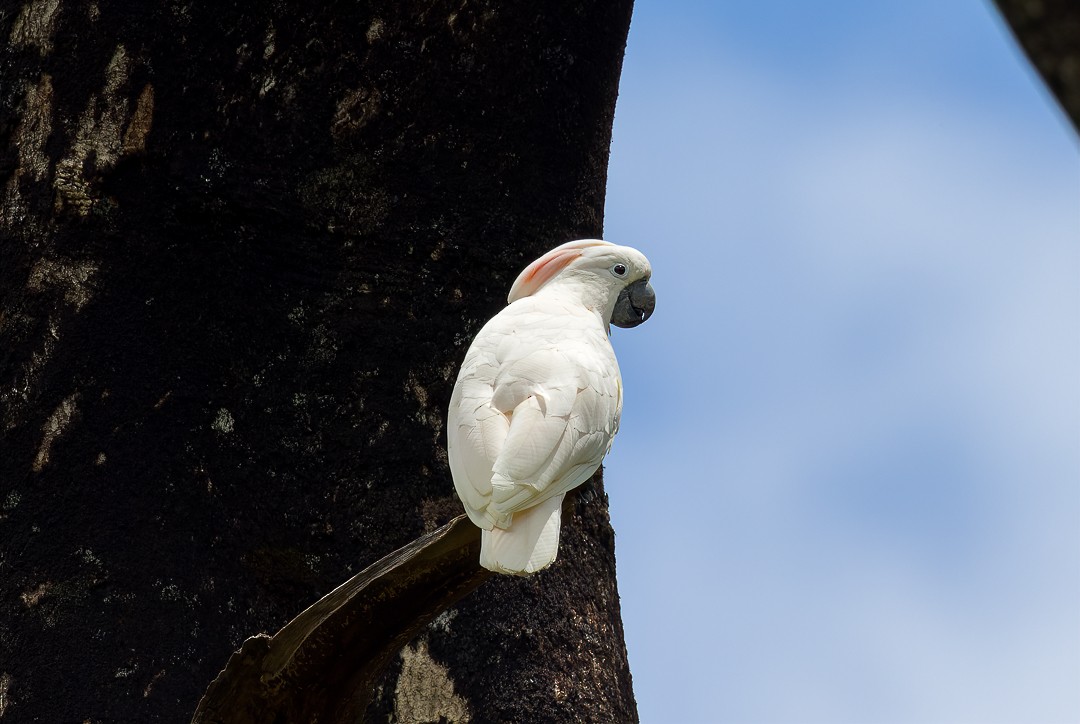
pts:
[529, 544]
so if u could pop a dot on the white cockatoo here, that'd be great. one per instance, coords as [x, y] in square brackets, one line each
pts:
[538, 398]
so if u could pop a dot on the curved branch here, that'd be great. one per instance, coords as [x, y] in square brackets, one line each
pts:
[324, 664]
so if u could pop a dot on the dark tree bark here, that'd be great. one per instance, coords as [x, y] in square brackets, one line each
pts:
[326, 664]
[242, 248]
[1049, 32]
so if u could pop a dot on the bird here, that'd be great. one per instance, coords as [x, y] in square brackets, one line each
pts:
[539, 395]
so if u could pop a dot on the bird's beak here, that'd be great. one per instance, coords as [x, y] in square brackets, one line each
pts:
[634, 305]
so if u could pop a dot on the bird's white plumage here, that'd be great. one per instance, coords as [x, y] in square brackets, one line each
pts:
[536, 405]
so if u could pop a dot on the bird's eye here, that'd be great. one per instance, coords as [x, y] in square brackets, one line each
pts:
[619, 270]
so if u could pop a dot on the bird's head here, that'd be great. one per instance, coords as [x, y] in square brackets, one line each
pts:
[610, 278]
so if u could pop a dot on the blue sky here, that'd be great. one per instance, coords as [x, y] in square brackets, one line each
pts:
[847, 483]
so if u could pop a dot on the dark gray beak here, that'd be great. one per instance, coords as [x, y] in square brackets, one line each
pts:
[634, 305]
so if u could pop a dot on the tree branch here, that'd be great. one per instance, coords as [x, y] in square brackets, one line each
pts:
[324, 664]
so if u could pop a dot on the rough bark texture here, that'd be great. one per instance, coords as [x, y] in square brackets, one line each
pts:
[242, 248]
[1049, 32]
[325, 664]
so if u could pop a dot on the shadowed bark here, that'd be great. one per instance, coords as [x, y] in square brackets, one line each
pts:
[324, 665]
[1049, 32]
[243, 246]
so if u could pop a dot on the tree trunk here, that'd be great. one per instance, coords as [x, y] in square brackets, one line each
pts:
[1049, 32]
[244, 247]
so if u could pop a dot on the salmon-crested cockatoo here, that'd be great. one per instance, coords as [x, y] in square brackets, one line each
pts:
[538, 398]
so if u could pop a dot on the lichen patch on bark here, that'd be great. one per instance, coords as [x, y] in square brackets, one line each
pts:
[54, 427]
[35, 25]
[5, 695]
[35, 129]
[354, 110]
[104, 132]
[14, 399]
[426, 413]
[74, 279]
[141, 121]
[29, 139]
[32, 597]
[223, 421]
[425, 692]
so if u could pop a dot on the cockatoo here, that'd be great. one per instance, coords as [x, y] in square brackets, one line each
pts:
[538, 399]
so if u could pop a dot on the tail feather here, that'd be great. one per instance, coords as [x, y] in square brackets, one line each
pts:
[530, 543]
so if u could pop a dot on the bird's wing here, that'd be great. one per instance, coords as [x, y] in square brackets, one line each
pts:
[562, 406]
[475, 432]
